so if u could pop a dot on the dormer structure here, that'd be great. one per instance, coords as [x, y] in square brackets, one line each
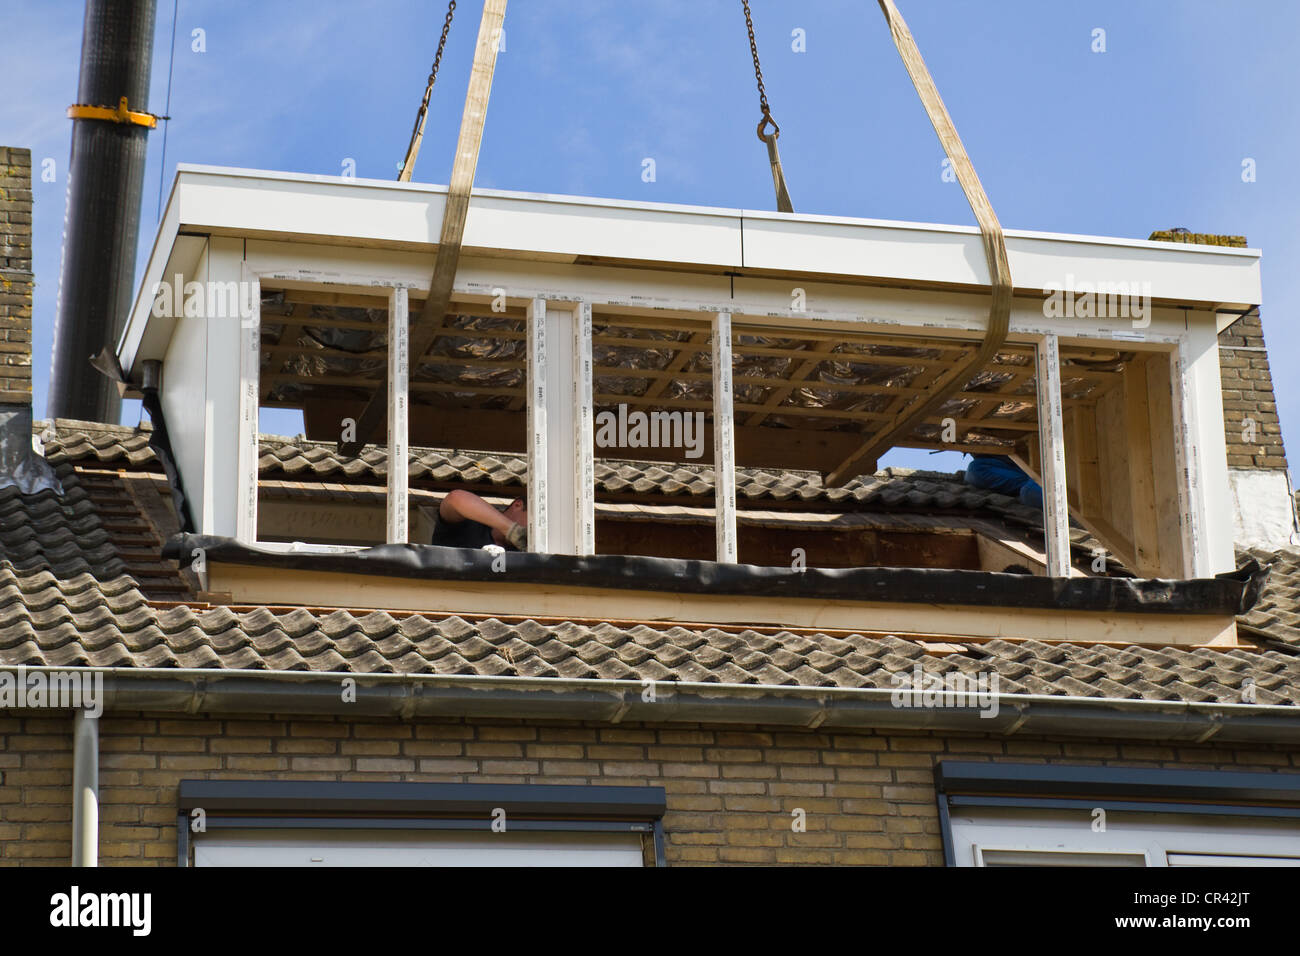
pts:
[732, 338]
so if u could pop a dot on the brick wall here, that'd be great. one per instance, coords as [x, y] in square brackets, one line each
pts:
[16, 281]
[1247, 383]
[869, 798]
[1248, 396]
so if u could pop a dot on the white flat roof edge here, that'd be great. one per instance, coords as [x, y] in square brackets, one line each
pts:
[190, 170]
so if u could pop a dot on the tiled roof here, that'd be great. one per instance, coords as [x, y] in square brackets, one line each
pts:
[67, 598]
[1277, 613]
[892, 489]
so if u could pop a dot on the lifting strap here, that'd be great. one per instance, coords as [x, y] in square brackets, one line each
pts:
[454, 212]
[773, 157]
[417, 134]
[863, 461]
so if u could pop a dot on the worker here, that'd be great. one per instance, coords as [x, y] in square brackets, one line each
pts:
[999, 473]
[467, 521]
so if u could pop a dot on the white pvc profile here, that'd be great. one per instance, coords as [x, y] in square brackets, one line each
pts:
[399, 332]
[724, 442]
[1051, 443]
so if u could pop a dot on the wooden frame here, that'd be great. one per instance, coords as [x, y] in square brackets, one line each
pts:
[399, 332]
[1051, 443]
[539, 392]
[724, 452]
[651, 267]
[561, 459]
[250, 361]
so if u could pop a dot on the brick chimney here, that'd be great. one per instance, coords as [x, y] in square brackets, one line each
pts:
[1263, 506]
[20, 465]
[16, 279]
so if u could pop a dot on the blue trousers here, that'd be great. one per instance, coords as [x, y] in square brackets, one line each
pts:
[999, 473]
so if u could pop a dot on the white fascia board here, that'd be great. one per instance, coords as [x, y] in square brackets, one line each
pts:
[160, 258]
[518, 225]
[916, 252]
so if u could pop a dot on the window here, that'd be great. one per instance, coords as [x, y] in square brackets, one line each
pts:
[1036, 815]
[292, 823]
[339, 848]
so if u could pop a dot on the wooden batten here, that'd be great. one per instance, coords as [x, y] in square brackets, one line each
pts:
[262, 585]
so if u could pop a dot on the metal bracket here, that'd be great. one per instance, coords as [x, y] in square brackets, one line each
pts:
[122, 114]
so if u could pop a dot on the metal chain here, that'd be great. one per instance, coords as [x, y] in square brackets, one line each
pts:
[433, 71]
[758, 75]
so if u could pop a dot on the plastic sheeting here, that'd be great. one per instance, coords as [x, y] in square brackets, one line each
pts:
[21, 466]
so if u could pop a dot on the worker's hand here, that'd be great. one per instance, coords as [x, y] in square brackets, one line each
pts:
[518, 536]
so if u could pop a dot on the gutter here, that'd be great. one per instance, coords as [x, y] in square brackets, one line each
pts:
[194, 691]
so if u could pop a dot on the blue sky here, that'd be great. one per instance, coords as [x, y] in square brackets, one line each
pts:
[1150, 134]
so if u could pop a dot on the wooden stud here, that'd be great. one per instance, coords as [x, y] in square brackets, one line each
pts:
[1188, 464]
[1112, 460]
[538, 498]
[1051, 443]
[724, 448]
[1137, 429]
[584, 466]
[250, 330]
[1164, 465]
[399, 330]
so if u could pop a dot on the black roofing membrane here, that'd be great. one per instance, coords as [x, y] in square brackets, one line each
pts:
[1231, 593]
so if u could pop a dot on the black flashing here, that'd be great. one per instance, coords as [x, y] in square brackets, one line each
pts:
[1227, 594]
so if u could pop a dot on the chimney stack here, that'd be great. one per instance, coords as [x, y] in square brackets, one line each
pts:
[20, 466]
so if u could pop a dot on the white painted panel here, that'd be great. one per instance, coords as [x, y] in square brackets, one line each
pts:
[155, 271]
[185, 405]
[1207, 454]
[1263, 511]
[564, 228]
[339, 848]
[224, 364]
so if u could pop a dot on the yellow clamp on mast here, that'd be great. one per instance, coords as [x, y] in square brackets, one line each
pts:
[123, 114]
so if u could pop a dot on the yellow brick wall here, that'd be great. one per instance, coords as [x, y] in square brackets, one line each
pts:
[869, 798]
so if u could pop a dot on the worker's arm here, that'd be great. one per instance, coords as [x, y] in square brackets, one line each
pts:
[460, 505]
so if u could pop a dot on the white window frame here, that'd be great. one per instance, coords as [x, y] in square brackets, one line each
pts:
[1154, 837]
